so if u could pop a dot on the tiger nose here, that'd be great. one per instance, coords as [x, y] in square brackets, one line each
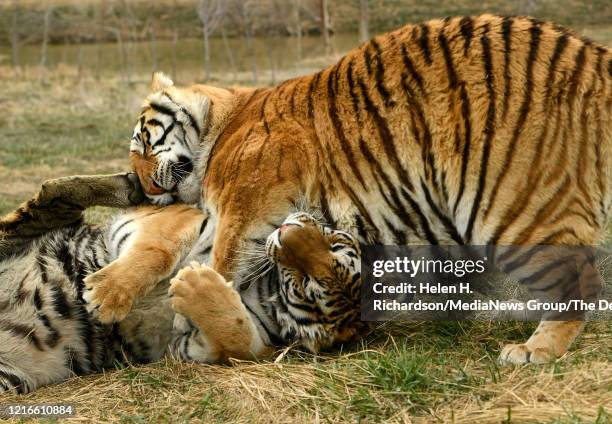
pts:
[283, 228]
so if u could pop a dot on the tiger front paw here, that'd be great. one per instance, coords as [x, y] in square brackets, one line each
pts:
[520, 354]
[107, 297]
[201, 294]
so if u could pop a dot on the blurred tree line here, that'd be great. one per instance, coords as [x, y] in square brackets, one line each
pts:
[44, 22]
[30, 21]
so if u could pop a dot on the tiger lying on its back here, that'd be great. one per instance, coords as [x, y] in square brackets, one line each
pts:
[469, 130]
[48, 334]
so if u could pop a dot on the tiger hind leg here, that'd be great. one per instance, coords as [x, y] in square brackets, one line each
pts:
[567, 274]
[61, 202]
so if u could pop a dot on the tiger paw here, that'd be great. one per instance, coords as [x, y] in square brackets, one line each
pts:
[201, 293]
[519, 354]
[106, 297]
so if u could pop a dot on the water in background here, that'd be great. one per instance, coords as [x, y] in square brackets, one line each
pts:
[270, 58]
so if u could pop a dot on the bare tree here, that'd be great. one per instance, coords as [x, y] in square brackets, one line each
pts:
[175, 38]
[364, 24]
[297, 4]
[210, 13]
[153, 44]
[45, 37]
[14, 37]
[245, 11]
[228, 51]
[325, 25]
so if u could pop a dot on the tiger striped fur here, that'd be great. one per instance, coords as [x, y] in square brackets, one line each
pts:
[51, 326]
[469, 130]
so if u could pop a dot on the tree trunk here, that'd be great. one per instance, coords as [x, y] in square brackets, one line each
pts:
[153, 48]
[45, 39]
[228, 52]
[325, 26]
[249, 40]
[298, 29]
[206, 53]
[175, 37]
[15, 43]
[364, 25]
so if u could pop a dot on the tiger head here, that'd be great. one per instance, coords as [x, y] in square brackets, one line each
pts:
[320, 282]
[167, 144]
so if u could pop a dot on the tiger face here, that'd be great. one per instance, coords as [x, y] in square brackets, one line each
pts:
[320, 281]
[166, 145]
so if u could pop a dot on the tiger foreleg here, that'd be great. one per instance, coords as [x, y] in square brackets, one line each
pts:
[222, 327]
[161, 238]
[550, 341]
[558, 330]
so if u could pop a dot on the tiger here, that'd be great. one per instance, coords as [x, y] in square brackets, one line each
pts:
[469, 130]
[51, 330]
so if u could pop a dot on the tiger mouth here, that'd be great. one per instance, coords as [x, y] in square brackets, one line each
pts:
[159, 189]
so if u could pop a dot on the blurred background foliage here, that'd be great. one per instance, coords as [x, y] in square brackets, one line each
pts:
[227, 37]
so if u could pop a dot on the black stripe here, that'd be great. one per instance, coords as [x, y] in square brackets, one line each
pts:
[340, 133]
[41, 261]
[450, 69]
[154, 122]
[380, 76]
[53, 337]
[489, 133]
[399, 236]
[121, 241]
[87, 335]
[262, 112]
[424, 43]
[191, 118]
[38, 303]
[574, 82]
[361, 230]
[535, 32]
[506, 35]
[160, 109]
[465, 157]
[560, 46]
[411, 69]
[63, 255]
[466, 26]
[313, 84]
[429, 235]
[367, 58]
[162, 139]
[396, 205]
[14, 381]
[114, 233]
[448, 225]
[60, 302]
[203, 226]
[385, 136]
[351, 84]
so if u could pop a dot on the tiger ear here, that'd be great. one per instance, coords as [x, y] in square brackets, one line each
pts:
[160, 81]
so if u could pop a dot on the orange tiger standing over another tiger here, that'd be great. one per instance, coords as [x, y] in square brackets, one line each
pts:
[468, 130]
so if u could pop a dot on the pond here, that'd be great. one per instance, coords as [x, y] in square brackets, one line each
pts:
[285, 55]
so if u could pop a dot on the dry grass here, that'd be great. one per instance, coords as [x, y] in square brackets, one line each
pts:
[404, 372]
[397, 376]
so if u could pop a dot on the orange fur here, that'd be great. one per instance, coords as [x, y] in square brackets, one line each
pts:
[482, 130]
[151, 257]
